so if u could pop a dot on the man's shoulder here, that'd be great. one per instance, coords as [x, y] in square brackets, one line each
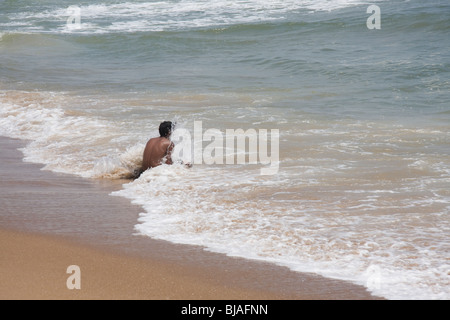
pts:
[166, 142]
[159, 141]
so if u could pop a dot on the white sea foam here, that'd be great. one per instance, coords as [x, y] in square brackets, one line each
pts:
[170, 15]
[232, 216]
[63, 142]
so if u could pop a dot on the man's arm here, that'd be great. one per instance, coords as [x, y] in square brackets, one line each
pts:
[169, 153]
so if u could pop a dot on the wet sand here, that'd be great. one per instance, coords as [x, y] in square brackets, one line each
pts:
[50, 221]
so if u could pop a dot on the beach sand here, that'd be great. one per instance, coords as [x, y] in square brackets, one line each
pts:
[51, 221]
[35, 267]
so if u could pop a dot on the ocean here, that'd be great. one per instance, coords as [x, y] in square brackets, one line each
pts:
[360, 98]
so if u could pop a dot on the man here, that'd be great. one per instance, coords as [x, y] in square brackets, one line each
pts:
[158, 150]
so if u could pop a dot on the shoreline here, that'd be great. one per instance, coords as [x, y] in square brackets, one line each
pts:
[50, 221]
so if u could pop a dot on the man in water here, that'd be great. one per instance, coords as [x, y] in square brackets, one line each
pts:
[159, 150]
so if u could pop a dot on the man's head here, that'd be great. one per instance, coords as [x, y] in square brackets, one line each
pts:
[165, 129]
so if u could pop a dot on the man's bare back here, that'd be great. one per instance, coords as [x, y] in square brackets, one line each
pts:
[157, 151]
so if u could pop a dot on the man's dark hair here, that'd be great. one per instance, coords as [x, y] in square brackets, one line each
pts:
[165, 129]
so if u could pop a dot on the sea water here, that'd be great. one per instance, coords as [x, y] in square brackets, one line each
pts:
[362, 190]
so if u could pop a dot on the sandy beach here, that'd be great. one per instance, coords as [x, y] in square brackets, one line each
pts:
[52, 221]
[35, 267]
